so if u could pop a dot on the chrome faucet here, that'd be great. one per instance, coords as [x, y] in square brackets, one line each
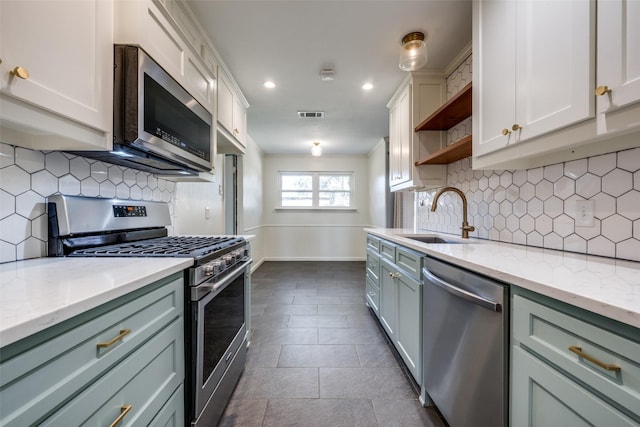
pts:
[466, 228]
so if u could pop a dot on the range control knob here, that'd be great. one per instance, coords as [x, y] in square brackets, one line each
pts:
[208, 270]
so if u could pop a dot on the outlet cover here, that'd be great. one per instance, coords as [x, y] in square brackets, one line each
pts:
[584, 213]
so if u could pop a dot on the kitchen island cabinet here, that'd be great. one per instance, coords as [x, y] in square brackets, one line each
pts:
[56, 74]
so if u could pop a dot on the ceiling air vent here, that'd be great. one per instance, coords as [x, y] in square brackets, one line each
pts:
[311, 114]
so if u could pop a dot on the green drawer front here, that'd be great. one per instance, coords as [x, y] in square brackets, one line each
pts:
[409, 261]
[41, 379]
[373, 296]
[388, 250]
[373, 266]
[172, 413]
[146, 380]
[373, 243]
[549, 333]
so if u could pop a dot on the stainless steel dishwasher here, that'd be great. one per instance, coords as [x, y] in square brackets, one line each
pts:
[465, 326]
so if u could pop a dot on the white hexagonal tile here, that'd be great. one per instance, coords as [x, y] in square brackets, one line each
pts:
[534, 176]
[89, 187]
[617, 182]
[483, 208]
[79, 168]
[544, 190]
[601, 246]
[14, 180]
[600, 165]
[564, 187]
[39, 227]
[115, 174]
[142, 179]
[99, 171]
[56, 163]
[544, 225]
[527, 191]
[513, 193]
[494, 181]
[636, 229]
[157, 195]
[499, 194]
[535, 239]
[535, 207]
[629, 205]
[152, 182]
[107, 189]
[31, 248]
[617, 228]
[7, 155]
[506, 208]
[604, 205]
[477, 196]
[147, 194]
[553, 206]
[15, 228]
[487, 195]
[122, 191]
[563, 225]
[494, 208]
[29, 160]
[136, 193]
[519, 208]
[483, 183]
[554, 172]
[506, 236]
[129, 177]
[473, 208]
[70, 185]
[519, 177]
[629, 160]
[506, 179]
[512, 223]
[629, 249]
[30, 205]
[527, 224]
[44, 183]
[575, 243]
[589, 232]
[499, 222]
[519, 237]
[575, 168]
[7, 204]
[553, 241]
[7, 251]
[588, 185]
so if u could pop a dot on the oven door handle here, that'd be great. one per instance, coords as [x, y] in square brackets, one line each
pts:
[212, 288]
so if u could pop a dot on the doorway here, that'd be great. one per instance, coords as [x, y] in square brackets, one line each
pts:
[231, 194]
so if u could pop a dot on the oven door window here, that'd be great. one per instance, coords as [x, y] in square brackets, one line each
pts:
[169, 119]
[223, 319]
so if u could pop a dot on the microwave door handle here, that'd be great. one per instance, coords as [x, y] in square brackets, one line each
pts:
[461, 293]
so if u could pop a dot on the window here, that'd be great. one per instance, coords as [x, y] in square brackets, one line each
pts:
[316, 189]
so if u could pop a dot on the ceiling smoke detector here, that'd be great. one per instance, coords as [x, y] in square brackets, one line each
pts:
[311, 114]
[327, 75]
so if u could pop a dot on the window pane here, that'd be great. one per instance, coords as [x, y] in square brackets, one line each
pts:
[297, 182]
[340, 199]
[335, 182]
[297, 198]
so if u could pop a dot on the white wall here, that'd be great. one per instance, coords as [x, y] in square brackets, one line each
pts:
[315, 235]
[191, 201]
[250, 192]
[377, 185]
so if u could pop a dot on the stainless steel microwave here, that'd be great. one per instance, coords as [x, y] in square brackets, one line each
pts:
[158, 126]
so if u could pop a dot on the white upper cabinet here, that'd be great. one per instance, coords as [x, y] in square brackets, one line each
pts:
[618, 87]
[418, 97]
[232, 117]
[56, 74]
[532, 71]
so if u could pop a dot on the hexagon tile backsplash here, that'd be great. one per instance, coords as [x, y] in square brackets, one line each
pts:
[539, 207]
[27, 177]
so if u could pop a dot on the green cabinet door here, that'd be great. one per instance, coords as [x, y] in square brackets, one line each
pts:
[409, 326]
[388, 297]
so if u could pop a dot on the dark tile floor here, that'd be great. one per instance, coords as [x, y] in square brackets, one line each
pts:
[317, 355]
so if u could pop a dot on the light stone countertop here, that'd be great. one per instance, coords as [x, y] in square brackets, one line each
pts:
[39, 293]
[605, 286]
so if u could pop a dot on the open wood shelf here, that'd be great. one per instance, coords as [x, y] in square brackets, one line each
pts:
[451, 153]
[450, 113]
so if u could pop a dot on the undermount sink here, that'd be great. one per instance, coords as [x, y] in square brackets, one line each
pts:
[434, 239]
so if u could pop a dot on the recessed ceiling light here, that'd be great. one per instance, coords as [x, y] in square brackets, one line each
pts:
[269, 84]
[367, 86]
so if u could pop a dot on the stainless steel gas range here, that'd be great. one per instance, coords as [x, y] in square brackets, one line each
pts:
[216, 286]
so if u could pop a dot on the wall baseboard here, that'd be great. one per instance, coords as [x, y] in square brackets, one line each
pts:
[256, 264]
[314, 259]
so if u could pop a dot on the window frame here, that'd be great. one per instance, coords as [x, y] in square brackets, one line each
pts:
[315, 190]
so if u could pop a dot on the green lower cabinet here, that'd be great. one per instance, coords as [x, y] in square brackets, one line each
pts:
[388, 298]
[409, 327]
[373, 296]
[542, 396]
[172, 413]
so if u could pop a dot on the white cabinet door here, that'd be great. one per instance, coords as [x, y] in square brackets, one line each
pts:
[400, 140]
[65, 50]
[533, 69]
[240, 122]
[225, 102]
[618, 65]
[200, 82]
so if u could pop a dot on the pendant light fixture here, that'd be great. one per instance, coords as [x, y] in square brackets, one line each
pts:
[316, 150]
[413, 53]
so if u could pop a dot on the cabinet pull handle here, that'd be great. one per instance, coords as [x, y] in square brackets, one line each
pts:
[506, 131]
[602, 90]
[516, 127]
[112, 341]
[578, 350]
[124, 411]
[20, 73]
[394, 275]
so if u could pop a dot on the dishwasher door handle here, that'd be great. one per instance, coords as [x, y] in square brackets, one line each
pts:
[471, 297]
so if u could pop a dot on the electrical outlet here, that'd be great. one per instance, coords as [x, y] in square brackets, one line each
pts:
[207, 212]
[584, 213]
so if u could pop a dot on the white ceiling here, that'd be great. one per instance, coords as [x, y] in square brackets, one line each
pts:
[289, 42]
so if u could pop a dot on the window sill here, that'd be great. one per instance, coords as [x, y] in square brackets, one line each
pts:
[314, 209]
